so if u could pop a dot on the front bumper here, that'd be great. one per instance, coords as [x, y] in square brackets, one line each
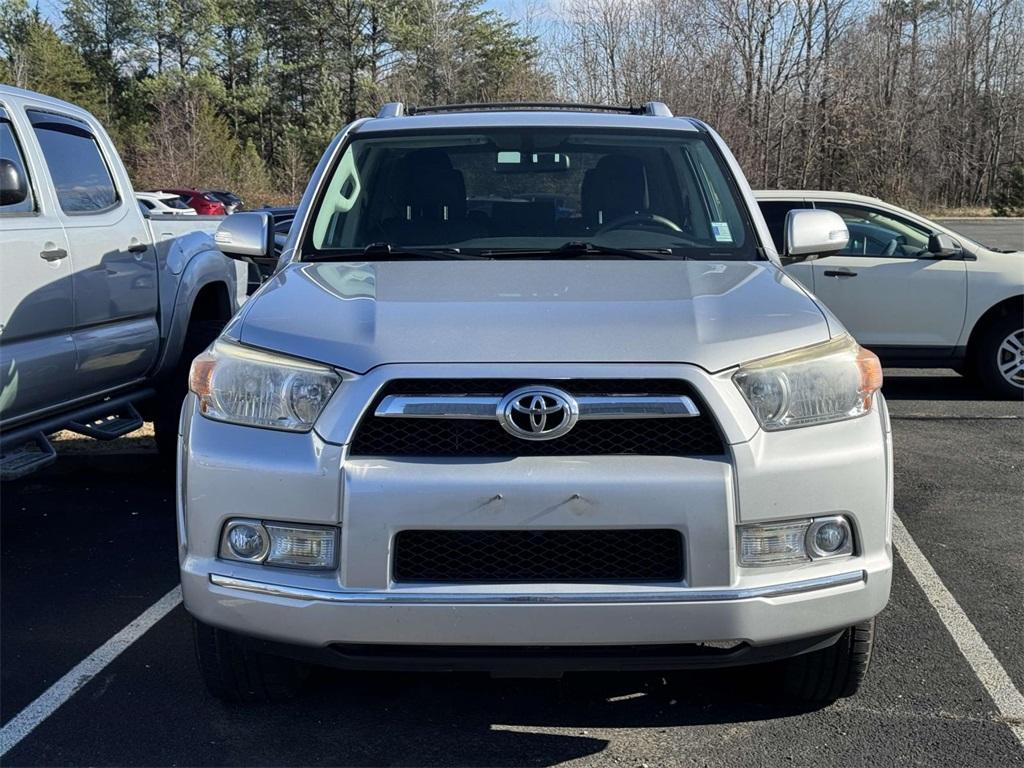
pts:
[229, 471]
[317, 618]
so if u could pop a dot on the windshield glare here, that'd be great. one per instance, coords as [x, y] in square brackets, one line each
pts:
[506, 190]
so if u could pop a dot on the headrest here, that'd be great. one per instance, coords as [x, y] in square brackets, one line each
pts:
[430, 188]
[613, 188]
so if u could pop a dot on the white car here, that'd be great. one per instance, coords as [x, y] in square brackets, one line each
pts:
[915, 292]
[165, 203]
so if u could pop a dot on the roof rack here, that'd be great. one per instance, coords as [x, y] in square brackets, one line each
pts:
[398, 109]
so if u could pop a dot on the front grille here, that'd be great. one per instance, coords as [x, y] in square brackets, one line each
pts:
[532, 556]
[696, 436]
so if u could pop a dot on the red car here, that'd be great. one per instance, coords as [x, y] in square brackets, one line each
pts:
[204, 203]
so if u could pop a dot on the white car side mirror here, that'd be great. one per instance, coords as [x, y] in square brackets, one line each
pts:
[814, 232]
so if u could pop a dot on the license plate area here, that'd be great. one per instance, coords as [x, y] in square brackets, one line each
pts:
[524, 556]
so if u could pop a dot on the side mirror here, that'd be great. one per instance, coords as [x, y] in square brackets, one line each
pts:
[13, 184]
[246, 236]
[813, 233]
[942, 246]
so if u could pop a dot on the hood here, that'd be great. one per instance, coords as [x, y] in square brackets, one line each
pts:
[358, 316]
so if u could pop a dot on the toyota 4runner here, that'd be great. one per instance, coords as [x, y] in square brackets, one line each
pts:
[529, 393]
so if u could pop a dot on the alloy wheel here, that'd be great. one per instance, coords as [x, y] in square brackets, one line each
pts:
[1010, 358]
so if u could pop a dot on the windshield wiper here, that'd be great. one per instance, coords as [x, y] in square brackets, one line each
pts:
[583, 249]
[387, 252]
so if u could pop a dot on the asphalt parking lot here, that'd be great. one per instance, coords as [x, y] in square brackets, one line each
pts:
[89, 544]
[1007, 233]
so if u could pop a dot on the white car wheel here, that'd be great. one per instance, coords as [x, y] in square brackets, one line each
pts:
[1010, 358]
[999, 357]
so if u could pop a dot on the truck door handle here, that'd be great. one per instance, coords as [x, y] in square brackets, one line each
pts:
[839, 273]
[137, 247]
[53, 254]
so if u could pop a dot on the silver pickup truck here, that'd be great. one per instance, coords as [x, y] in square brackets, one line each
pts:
[529, 393]
[101, 307]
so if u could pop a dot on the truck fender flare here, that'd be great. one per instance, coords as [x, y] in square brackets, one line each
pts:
[204, 268]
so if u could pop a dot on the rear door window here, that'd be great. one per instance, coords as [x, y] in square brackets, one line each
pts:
[80, 174]
[11, 152]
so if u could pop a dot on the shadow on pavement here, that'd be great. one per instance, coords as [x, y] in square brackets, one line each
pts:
[901, 384]
[454, 719]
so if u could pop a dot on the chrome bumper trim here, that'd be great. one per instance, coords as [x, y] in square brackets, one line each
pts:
[590, 407]
[575, 598]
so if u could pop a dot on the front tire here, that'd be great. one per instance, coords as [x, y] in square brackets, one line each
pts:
[235, 672]
[999, 360]
[832, 673]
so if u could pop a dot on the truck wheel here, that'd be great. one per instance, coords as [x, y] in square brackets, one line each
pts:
[171, 394]
[834, 672]
[999, 358]
[235, 672]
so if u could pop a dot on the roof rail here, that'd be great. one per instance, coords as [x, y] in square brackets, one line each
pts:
[398, 109]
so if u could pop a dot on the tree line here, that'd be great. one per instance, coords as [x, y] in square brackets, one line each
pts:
[917, 101]
[245, 94]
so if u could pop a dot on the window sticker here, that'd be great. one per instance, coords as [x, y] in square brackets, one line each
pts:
[720, 229]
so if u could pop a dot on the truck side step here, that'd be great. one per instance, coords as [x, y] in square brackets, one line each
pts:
[109, 426]
[28, 456]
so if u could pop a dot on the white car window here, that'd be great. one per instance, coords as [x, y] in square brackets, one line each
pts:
[876, 233]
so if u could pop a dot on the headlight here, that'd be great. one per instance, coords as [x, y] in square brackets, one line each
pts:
[815, 385]
[246, 386]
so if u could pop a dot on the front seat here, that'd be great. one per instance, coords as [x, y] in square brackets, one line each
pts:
[431, 201]
[613, 188]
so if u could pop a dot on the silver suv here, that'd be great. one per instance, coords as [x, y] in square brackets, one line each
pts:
[529, 393]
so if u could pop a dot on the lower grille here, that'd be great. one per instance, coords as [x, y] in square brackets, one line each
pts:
[535, 556]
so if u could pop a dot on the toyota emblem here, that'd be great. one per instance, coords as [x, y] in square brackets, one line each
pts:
[538, 413]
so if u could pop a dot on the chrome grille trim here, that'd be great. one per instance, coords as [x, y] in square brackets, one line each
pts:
[438, 407]
[638, 407]
[590, 407]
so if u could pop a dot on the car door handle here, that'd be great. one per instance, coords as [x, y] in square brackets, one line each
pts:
[53, 254]
[839, 273]
[137, 247]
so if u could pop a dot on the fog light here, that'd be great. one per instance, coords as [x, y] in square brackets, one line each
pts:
[298, 546]
[774, 543]
[795, 541]
[301, 546]
[245, 540]
[829, 537]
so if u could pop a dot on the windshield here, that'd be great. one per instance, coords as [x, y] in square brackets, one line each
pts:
[173, 201]
[529, 191]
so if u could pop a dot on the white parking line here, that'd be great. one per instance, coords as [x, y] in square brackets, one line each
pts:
[58, 693]
[986, 666]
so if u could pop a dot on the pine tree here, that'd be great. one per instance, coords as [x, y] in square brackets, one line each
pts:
[33, 56]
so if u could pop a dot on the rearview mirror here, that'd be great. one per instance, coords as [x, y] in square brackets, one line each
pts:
[246, 236]
[813, 233]
[536, 162]
[13, 184]
[942, 246]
